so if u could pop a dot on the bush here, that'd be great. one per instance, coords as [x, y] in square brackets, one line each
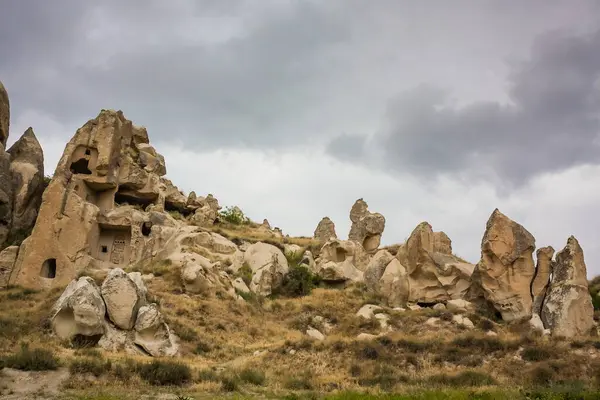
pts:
[202, 347]
[94, 366]
[32, 360]
[233, 215]
[466, 378]
[541, 375]
[165, 373]
[483, 344]
[298, 282]
[229, 384]
[208, 375]
[245, 272]
[253, 376]
[536, 353]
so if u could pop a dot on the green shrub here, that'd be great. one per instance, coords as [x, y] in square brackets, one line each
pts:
[298, 282]
[88, 365]
[536, 353]
[245, 272]
[165, 373]
[253, 377]
[32, 360]
[234, 215]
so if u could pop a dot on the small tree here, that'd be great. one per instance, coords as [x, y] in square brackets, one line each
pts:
[234, 215]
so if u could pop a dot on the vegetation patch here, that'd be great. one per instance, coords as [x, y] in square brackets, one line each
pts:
[27, 359]
[165, 373]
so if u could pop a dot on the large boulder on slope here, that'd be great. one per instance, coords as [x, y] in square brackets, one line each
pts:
[153, 334]
[123, 298]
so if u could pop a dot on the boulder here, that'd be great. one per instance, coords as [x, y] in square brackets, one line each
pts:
[325, 230]
[567, 309]
[315, 334]
[505, 272]
[79, 311]
[367, 227]
[543, 270]
[268, 265]
[153, 334]
[116, 340]
[8, 256]
[292, 251]
[200, 277]
[439, 307]
[368, 311]
[123, 298]
[240, 286]
[27, 171]
[463, 321]
[459, 306]
[376, 268]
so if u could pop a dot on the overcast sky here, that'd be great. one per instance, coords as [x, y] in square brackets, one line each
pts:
[434, 111]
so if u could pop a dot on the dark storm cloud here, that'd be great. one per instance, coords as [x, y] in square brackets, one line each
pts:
[551, 123]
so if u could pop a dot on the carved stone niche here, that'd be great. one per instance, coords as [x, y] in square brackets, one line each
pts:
[112, 245]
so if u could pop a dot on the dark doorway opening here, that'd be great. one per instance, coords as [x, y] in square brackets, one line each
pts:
[49, 269]
[81, 167]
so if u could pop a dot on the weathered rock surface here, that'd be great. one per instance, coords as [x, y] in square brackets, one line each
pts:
[123, 298]
[376, 268]
[153, 334]
[342, 260]
[27, 171]
[432, 276]
[543, 270]
[8, 256]
[80, 310]
[367, 227]
[504, 274]
[6, 196]
[442, 243]
[567, 310]
[394, 284]
[268, 265]
[325, 230]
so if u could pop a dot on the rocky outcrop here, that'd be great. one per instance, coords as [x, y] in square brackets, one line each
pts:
[6, 191]
[367, 227]
[430, 276]
[543, 270]
[103, 207]
[394, 284]
[123, 298]
[503, 276]
[567, 309]
[442, 243]
[79, 311]
[325, 230]
[27, 172]
[376, 268]
[341, 260]
[268, 265]
[103, 315]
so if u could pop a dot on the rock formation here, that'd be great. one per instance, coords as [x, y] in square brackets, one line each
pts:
[442, 243]
[112, 316]
[83, 222]
[8, 256]
[268, 265]
[5, 177]
[376, 267]
[27, 171]
[325, 230]
[540, 283]
[567, 309]
[504, 274]
[367, 227]
[342, 260]
[431, 276]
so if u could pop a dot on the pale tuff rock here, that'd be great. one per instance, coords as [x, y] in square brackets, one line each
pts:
[459, 306]
[123, 298]
[4, 116]
[368, 311]
[92, 213]
[8, 256]
[325, 230]
[432, 321]
[342, 260]
[309, 261]
[366, 337]
[442, 243]
[27, 171]
[6, 195]
[536, 325]
[266, 224]
[543, 270]
[567, 310]
[432, 276]
[200, 276]
[206, 210]
[292, 250]
[80, 310]
[268, 265]
[240, 286]
[394, 284]
[367, 227]
[376, 268]
[116, 340]
[153, 334]
[439, 307]
[463, 321]
[504, 274]
[315, 334]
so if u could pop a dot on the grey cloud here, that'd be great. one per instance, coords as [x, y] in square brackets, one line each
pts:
[552, 122]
